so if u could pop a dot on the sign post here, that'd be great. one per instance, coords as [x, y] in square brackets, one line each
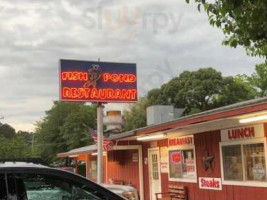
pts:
[100, 143]
[99, 82]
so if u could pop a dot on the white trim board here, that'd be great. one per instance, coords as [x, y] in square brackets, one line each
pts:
[243, 183]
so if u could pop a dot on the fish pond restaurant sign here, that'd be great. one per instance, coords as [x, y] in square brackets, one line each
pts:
[97, 81]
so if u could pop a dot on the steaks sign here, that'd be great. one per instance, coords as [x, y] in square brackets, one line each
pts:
[210, 183]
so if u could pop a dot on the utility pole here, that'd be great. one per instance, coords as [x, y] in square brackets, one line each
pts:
[100, 116]
[100, 143]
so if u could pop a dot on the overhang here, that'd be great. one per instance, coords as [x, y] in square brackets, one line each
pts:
[74, 152]
[216, 119]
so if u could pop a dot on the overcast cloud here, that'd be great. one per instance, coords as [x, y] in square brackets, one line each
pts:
[164, 38]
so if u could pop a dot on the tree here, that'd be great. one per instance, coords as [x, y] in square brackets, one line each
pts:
[7, 131]
[14, 145]
[243, 22]
[75, 128]
[259, 79]
[135, 115]
[157, 97]
[27, 136]
[64, 128]
[202, 90]
[191, 90]
[235, 89]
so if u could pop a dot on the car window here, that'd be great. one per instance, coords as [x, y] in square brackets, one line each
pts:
[43, 187]
[3, 195]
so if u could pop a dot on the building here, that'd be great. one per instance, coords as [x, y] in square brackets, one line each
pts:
[217, 154]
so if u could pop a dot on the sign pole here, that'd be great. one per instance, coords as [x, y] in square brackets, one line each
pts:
[100, 143]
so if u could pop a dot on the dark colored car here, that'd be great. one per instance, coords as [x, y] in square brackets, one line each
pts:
[29, 181]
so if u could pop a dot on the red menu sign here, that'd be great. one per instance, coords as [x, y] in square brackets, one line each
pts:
[241, 133]
[179, 141]
[176, 157]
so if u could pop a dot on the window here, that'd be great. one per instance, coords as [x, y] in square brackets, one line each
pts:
[155, 169]
[244, 162]
[232, 160]
[42, 187]
[3, 195]
[182, 165]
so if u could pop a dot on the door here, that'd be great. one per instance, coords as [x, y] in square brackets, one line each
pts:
[154, 172]
[93, 169]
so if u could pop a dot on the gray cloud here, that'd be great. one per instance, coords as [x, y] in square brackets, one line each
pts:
[163, 38]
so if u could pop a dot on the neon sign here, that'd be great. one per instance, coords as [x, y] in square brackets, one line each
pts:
[97, 81]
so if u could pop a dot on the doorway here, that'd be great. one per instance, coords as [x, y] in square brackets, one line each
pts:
[154, 172]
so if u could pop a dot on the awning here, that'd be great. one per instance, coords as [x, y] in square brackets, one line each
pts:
[78, 151]
[215, 119]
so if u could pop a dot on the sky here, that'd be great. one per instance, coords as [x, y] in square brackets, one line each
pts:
[164, 38]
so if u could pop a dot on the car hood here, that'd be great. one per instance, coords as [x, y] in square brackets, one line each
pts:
[118, 187]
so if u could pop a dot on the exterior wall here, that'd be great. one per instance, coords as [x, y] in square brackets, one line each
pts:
[121, 167]
[145, 170]
[208, 141]
[88, 170]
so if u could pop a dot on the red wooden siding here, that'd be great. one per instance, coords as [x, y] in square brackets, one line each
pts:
[145, 171]
[209, 141]
[203, 142]
[120, 166]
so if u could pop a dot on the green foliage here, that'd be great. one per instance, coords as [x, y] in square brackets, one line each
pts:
[63, 128]
[7, 131]
[235, 89]
[259, 79]
[15, 145]
[202, 90]
[157, 97]
[135, 115]
[27, 136]
[244, 22]
[74, 129]
[191, 90]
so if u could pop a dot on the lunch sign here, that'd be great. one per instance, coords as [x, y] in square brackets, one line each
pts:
[90, 81]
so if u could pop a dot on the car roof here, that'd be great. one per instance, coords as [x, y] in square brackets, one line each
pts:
[16, 164]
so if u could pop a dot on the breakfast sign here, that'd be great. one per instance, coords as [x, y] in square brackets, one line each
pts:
[90, 81]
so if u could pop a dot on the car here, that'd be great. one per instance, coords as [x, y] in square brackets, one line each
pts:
[125, 191]
[29, 180]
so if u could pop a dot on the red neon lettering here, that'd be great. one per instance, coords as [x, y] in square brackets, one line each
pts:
[94, 93]
[180, 141]
[241, 133]
[74, 76]
[119, 78]
[75, 93]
